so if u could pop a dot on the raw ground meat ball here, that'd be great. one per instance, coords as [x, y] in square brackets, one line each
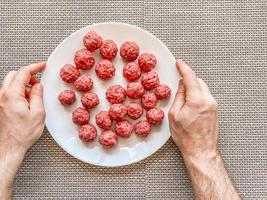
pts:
[108, 139]
[105, 69]
[92, 41]
[142, 128]
[150, 80]
[108, 49]
[129, 50]
[115, 94]
[135, 90]
[147, 62]
[134, 110]
[80, 116]
[69, 73]
[155, 116]
[162, 92]
[103, 120]
[87, 133]
[67, 97]
[84, 59]
[131, 71]
[84, 83]
[117, 111]
[124, 128]
[149, 100]
[90, 100]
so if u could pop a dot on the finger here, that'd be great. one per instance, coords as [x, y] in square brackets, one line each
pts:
[27, 91]
[24, 75]
[36, 99]
[179, 99]
[204, 88]
[8, 79]
[34, 80]
[189, 77]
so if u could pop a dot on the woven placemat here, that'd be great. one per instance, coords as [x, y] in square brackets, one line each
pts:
[225, 42]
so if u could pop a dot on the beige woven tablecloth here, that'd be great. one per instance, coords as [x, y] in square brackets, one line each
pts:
[225, 41]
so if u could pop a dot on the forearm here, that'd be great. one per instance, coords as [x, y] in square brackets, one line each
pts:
[210, 179]
[10, 162]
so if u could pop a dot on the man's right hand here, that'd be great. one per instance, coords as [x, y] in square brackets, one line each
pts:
[193, 116]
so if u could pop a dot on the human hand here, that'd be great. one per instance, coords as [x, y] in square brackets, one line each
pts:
[193, 116]
[21, 109]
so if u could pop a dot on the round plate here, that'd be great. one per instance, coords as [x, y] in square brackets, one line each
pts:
[59, 120]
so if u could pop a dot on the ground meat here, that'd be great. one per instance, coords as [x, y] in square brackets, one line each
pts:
[129, 51]
[105, 69]
[134, 110]
[115, 94]
[103, 120]
[117, 111]
[150, 80]
[162, 92]
[92, 41]
[84, 59]
[124, 128]
[87, 133]
[67, 97]
[90, 100]
[149, 100]
[108, 49]
[84, 83]
[147, 62]
[69, 73]
[80, 116]
[131, 71]
[135, 90]
[155, 116]
[108, 139]
[142, 128]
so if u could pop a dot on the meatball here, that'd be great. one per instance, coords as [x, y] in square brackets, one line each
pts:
[105, 69]
[149, 100]
[134, 110]
[84, 59]
[90, 100]
[103, 120]
[162, 92]
[135, 90]
[129, 51]
[80, 116]
[108, 139]
[131, 71]
[147, 62]
[87, 133]
[155, 116]
[115, 94]
[108, 49]
[150, 80]
[67, 97]
[124, 128]
[117, 111]
[84, 83]
[142, 128]
[92, 41]
[69, 73]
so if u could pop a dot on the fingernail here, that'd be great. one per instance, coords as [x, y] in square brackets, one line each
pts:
[39, 86]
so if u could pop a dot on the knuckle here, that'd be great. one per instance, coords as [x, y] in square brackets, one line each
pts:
[40, 113]
[212, 105]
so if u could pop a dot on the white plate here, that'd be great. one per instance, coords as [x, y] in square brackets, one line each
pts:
[58, 117]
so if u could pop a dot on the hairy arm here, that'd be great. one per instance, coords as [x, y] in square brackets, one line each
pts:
[193, 120]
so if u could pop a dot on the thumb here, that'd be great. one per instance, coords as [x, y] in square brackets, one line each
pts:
[179, 99]
[36, 99]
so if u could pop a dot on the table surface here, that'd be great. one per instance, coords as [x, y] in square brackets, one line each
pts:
[224, 41]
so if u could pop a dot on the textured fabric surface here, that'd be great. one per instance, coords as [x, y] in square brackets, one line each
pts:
[225, 41]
